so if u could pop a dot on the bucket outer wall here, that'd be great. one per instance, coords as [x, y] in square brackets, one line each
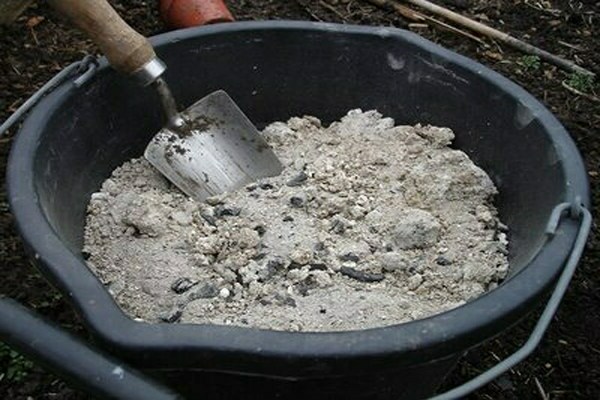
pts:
[75, 136]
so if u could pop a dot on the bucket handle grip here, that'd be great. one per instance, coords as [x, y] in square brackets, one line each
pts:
[575, 210]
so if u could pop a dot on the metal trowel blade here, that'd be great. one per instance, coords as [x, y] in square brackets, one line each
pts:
[219, 150]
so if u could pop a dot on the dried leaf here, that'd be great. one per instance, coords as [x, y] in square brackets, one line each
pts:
[34, 21]
[493, 55]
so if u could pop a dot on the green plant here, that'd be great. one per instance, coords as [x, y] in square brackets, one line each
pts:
[14, 366]
[582, 82]
[530, 62]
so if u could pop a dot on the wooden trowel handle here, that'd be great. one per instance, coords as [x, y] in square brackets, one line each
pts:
[126, 50]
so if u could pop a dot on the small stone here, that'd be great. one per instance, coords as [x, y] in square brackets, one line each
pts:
[416, 229]
[182, 218]
[415, 281]
[393, 261]
[238, 289]
[305, 286]
[246, 238]
[374, 217]
[182, 285]
[207, 245]
[255, 289]
[265, 301]
[357, 212]
[301, 256]
[298, 274]
[206, 291]
[215, 200]
[260, 229]
[298, 179]
[276, 263]
[288, 218]
[350, 256]
[224, 293]
[209, 216]
[441, 260]
[339, 224]
[318, 267]
[321, 249]
[111, 187]
[171, 316]
[484, 215]
[284, 300]
[298, 200]
[321, 278]
[355, 251]
[227, 211]
[502, 239]
[203, 260]
[265, 186]
[361, 276]
[502, 227]
[99, 196]
[250, 272]
[147, 220]
[259, 256]
[267, 273]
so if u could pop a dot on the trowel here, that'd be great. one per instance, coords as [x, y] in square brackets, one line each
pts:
[209, 148]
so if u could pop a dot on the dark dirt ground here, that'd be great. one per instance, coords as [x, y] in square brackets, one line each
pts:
[565, 366]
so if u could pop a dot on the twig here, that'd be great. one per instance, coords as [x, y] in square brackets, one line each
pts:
[416, 16]
[540, 7]
[501, 36]
[309, 11]
[541, 390]
[569, 45]
[580, 93]
[333, 10]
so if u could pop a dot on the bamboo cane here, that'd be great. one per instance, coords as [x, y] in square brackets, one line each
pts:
[498, 35]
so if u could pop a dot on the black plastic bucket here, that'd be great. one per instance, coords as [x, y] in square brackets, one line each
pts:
[76, 136]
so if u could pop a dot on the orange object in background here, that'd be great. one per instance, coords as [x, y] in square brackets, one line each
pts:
[188, 13]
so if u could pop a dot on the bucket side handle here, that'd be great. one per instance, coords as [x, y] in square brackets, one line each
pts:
[577, 211]
[85, 68]
[85, 367]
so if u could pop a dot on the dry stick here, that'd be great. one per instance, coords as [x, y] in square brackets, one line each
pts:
[541, 389]
[332, 9]
[501, 36]
[413, 15]
[580, 93]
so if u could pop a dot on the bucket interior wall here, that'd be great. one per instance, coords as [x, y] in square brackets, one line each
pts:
[325, 74]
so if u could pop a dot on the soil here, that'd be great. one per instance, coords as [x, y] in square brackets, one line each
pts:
[567, 363]
[345, 238]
